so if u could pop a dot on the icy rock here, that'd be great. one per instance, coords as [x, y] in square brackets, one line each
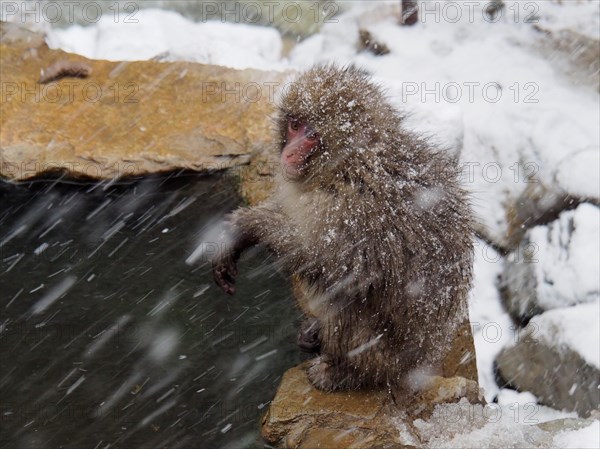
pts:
[465, 425]
[554, 265]
[303, 417]
[127, 118]
[557, 358]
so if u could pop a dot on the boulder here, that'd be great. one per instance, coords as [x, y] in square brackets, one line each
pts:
[557, 358]
[555, 265]
[127, 118]
[538, 204]
[303, 417]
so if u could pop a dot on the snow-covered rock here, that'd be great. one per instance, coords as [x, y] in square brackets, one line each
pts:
[557, 358]
[520, 120]
[556, 265]
[464, 425]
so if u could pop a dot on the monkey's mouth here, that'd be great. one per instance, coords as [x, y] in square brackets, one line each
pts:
[295, 155]
[294, 165]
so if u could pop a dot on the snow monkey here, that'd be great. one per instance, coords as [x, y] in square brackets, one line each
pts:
[372, 223]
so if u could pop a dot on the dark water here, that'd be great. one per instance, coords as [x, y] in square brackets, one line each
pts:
[109, 338]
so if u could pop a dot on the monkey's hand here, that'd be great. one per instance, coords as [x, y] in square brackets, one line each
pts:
[224, 263]
[225, 270]
[308, 336]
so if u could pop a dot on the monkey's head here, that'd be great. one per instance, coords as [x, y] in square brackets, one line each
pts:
[330, 121]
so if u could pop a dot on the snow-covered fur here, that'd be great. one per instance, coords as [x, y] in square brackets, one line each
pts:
[378, 234]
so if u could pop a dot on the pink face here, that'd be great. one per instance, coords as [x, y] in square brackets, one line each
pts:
[301, 141]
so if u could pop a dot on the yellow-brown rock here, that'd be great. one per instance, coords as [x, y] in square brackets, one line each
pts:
[437, 390]
[460, 359]
[127, 118]
[303, 417]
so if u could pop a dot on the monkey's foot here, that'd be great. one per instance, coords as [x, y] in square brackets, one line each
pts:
[326, 375]
[308, 336]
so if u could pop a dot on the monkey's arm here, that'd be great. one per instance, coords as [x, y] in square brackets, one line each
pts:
[248, 227]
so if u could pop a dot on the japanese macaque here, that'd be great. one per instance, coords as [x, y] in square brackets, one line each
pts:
[372, 223]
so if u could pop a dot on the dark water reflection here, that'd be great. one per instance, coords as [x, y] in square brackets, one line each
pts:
[109, 339]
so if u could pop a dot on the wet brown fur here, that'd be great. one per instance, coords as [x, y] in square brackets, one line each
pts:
[378, 234]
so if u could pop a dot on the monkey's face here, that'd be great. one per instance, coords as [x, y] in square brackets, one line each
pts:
[329, 122]
[300, 142]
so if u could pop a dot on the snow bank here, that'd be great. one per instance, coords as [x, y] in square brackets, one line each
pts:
[519, 119]
[567, 265]
[173, 37]
[573, 327]
[585, 438]
[491, 325]
[463, 425]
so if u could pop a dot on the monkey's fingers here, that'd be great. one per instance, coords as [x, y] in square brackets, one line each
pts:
[308, 336]
[308, 344]
[224, 277]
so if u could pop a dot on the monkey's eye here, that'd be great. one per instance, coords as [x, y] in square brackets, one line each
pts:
[294, 125]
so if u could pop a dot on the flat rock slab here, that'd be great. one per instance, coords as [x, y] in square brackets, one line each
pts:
[301, 416]
[126, 118]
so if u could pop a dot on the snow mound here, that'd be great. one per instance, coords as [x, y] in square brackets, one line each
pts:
[573, 327]
[566, 261]
[172, 37]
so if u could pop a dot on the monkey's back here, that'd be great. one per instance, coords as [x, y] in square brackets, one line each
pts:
[389, 256]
